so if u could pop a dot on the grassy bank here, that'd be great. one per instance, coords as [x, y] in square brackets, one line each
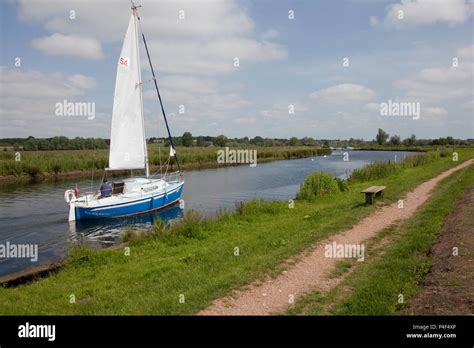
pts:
[394, 268]
[57, 163]
[203, 259]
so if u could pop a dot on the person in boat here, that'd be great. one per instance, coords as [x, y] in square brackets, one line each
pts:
[105, 188]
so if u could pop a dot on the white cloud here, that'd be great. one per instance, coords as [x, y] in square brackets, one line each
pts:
[194, 50]
[344, 93]
[425, 12]
[373, 21]
[209, 107]
[28, 99]
[281, 112]
[69, 45]
[204, 42]
[18, 83]
[180, 89]
[82, 82]
[205, 102]
[466, 53]
[434, 111]
[433, 85]
[188, 84]
[212, 57]
[159, 18]
[437, 84]
[270, 34]
[372, 107]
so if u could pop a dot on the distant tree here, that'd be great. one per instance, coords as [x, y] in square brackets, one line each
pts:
[308, 141]
[293, 141]
[268, 142]
[187, 139]
[200, 141]
[220, 140]
[258, 141]
[381, 136]
[395, 140]
[31, 144]
[177, 141]
[411, 141]
[43, 144]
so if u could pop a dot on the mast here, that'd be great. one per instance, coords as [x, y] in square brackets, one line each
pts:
[135, 14]
[157, 90]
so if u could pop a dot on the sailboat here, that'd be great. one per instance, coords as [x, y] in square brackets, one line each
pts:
[128, 148]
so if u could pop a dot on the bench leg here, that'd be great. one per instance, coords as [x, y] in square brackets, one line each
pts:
[368, 198]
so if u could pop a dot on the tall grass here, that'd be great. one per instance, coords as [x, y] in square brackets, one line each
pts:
[376, 170]
[54, 162]
[379, 170]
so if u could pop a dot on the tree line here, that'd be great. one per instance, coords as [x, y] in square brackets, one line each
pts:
[383, 138]
[188, 140]
[55, 143]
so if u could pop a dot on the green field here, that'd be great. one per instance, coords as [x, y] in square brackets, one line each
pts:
[197, 257]
[34, 163]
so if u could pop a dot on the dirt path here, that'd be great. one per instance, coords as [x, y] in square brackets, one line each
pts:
[311, 271]
[448, 289]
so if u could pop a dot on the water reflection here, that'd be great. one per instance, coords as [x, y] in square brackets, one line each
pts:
[103, 233]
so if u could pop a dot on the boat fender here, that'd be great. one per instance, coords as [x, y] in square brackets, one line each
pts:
[69, 195]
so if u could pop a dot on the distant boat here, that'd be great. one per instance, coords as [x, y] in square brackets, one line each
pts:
[128, 148]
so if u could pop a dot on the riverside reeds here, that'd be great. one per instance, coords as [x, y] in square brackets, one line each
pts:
[379, 170]
[33, 163]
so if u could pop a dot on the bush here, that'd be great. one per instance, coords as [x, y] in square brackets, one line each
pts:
[373, 171]
[317, 184]
[445, 153]
[32, 170]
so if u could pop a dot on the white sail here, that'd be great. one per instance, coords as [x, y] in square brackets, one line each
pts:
[127, 140]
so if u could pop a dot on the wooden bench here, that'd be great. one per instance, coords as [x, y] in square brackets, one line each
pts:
[371, 191]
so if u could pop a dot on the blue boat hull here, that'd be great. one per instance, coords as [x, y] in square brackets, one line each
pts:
[138, 206]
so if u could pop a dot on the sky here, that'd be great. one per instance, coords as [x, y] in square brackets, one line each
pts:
[316, 68]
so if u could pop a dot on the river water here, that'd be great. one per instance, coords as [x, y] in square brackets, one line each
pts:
[37, 214]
